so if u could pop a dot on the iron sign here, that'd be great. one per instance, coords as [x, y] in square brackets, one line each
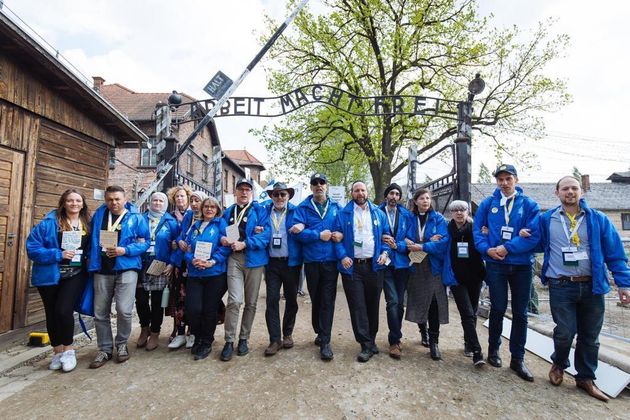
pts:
[218, 85]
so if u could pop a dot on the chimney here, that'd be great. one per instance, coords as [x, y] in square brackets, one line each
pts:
[98, 83]
[586, 183]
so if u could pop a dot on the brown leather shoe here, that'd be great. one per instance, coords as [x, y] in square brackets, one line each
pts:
[591, 389]
[287, 342]
[395, 351]
[153, 341]
[143, 337]
[273, 348]
[556, 374]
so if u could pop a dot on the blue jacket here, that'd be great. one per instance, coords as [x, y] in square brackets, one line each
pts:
[345, 225]
[166, 232]
[294, 245]
[42, 246]
[134, 237]
[177, 257]
[256, 243]
[212, 233]
[525, 214]
[400, 258]
[606, 249]
[316, 250]
[436, 225]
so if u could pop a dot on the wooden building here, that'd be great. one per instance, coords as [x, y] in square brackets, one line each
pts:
[56, 132]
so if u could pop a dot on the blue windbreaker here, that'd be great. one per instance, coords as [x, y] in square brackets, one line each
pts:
[606, 249]
[525, 214]
[400, 258]
[294, 245]
[314, 249]
[212, 233]
[134, 237]
[256, 243]
[42, 247]
[166, 232]
[345, 225]
[177, 257]
[436, 225]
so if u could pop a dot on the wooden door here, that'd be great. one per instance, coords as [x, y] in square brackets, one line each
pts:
[11, 175]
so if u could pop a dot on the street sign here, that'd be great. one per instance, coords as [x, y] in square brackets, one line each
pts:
[160, 146]
[218, 85]
[162, 122]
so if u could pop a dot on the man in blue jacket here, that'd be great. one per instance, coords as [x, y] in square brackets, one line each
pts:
[315, 218]
[115, 270]
[396, 274]
[580, 246]
[248, 235]
[362, 256]
[508, 262]
[283, 269]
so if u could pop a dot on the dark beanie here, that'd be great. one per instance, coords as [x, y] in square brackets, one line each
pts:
[392, 186]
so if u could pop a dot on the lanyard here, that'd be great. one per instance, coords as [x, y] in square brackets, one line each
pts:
[276, 221]
[392, 220]
[113, 227]
[360, 222]
[202, 226]
[507, 208]
[321, 215]
[572, 235]
[421, 228]
[239, 218]
[153, 225]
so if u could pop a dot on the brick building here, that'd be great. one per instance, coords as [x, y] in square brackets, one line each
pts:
[248, 161]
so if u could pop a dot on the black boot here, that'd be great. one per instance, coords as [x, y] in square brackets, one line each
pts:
[433, 346]
[424, 336]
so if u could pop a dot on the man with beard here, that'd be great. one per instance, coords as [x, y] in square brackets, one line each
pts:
[314, 220]
[581, 245]
[396, 274]
[362, 256]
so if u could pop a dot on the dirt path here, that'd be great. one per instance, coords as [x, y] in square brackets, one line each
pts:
[296, 383]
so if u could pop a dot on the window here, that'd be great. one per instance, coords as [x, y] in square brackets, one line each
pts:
[205, 169]
[225, 180]
[625, 221]
[111, 154]
[189, 162]
[148, 156]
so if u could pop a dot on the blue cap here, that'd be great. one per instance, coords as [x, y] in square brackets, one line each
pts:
[510, 169]
[317, 176]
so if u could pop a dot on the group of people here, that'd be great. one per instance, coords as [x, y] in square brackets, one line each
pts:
[186, 261]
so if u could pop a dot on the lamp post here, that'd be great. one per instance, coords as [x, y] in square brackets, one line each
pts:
[463, 140]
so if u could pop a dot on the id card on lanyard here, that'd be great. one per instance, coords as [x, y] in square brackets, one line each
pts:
[109, 238]
[507, 231]
[276, 238]
[571, 255]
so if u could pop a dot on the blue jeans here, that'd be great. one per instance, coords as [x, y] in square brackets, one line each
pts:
[576, 309]
[394, 286]
[519, 280]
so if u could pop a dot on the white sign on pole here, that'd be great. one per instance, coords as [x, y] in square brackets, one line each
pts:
[338, 193]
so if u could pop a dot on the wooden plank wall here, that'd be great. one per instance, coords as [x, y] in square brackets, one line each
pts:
[65, 159]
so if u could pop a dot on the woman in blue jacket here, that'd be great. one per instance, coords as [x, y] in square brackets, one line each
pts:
[426, 295]
[207, 278]
[58, 247]
[163, 229]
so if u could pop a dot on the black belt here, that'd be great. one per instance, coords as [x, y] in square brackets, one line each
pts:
[279, 258]
[363, 260]
[576, 279]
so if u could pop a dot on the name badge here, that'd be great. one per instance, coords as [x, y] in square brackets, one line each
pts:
[151, 249]
[276, 241]
[506, 233]
[358, 244]
[569, 256]
[462, 250]
[76, 260]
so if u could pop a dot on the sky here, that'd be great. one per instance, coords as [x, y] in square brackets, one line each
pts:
[159, 46]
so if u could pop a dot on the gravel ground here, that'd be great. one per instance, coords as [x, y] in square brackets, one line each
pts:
[296, 383]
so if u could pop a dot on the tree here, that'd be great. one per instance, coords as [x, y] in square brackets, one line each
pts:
[405, 47]
[485, 176]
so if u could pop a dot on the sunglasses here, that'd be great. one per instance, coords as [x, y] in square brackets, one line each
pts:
[279, 194]
[318, 182]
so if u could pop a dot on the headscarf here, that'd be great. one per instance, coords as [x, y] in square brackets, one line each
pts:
[154, 213]
[201, 196]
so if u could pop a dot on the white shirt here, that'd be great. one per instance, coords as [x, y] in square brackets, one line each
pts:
[362, 232]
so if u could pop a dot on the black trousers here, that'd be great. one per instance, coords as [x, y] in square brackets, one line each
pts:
[467, 301]
[150, 314]
[59, 303]
[203, 295]
[363, 292]
[321, 280]
[278, 275]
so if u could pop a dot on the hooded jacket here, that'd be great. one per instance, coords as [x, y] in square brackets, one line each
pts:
[294, 245]
[166, 232]
[314, 249]
[212, 233]
[255, 243]
[400, 258]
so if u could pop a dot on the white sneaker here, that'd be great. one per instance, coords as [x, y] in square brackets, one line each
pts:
[55, 364]
[177, 342]
[68, 360]
[190, 341]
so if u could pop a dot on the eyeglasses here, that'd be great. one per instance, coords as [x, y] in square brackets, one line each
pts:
[279, 194]
[318, 182]
[459, 211]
